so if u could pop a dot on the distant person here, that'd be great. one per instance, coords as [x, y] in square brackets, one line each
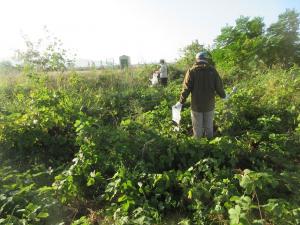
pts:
[203, 82]
[163, 73]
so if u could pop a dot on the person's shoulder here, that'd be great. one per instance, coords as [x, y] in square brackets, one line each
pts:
[213, 69]
[192, 69]
[195, 66]
[201, 67]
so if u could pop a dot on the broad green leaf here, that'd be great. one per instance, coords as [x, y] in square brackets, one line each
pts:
[43, 215]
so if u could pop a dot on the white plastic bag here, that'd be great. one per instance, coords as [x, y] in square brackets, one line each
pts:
[176, 117]
[154, 79]
[234, 90]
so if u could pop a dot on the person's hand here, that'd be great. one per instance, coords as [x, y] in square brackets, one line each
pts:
[234, 89]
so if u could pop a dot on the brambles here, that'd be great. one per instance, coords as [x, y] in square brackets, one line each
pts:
[118, 159]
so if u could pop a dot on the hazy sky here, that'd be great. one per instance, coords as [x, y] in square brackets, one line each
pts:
[146, 30]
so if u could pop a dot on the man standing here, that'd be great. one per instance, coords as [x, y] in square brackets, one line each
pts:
[203, 82]
[163, 73]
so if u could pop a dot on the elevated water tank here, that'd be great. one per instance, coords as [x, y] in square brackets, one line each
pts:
[124, 61]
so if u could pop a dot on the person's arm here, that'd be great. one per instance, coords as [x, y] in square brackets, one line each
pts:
[219, 86]
[161, 69]
[186, 87]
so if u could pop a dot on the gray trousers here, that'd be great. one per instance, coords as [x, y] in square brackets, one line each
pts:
[203, 124]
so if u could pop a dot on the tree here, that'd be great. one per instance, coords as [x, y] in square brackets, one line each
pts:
[189, 53]
[246, 46]
[283, 41]
[6, 67]
[239, 47]
[45, 55]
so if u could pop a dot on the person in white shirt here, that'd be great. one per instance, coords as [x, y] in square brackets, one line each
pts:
[163, 72]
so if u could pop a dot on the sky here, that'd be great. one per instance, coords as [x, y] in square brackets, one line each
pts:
[145, 30]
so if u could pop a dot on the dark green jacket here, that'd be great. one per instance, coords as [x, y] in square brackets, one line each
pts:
[203, 81]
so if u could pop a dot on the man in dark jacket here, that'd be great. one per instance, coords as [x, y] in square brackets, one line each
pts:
[203, 82]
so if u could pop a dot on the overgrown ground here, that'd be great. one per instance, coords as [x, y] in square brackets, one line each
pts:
[101, 149]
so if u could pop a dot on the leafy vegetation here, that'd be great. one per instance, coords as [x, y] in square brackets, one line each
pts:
[248, 46]
[46, 54]
[100, 148]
